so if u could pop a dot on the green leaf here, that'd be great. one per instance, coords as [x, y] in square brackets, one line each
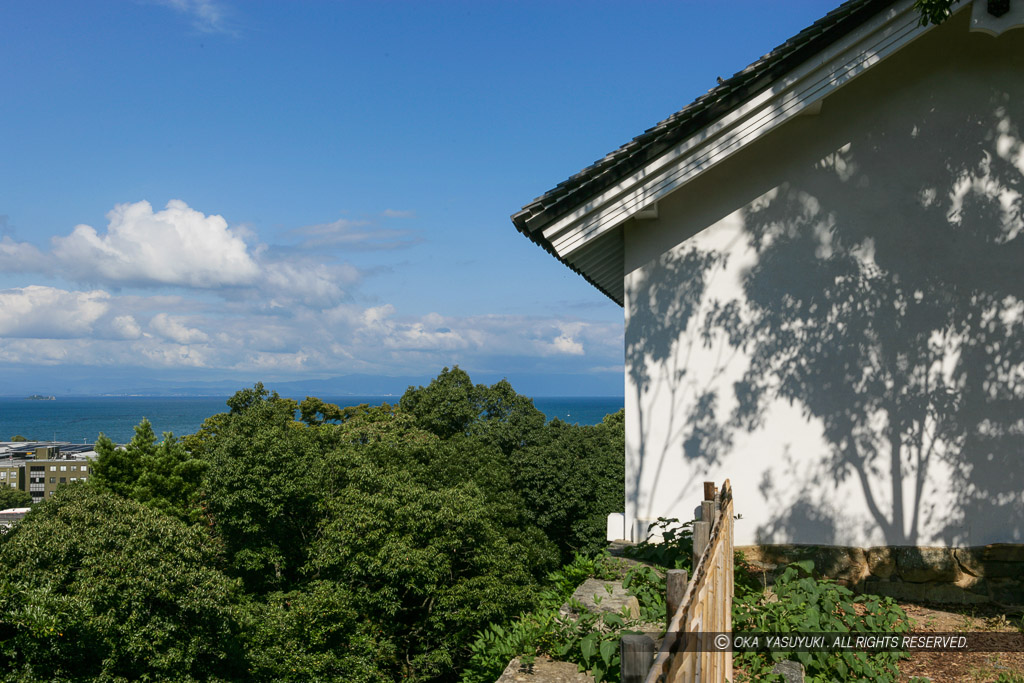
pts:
[587, 646]
[614, 620]
[806, 565]
[608, 648]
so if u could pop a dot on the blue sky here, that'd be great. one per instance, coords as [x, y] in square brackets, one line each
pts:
[227, 190]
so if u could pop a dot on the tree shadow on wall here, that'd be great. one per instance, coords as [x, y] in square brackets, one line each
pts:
[888, 303]
[663, 329]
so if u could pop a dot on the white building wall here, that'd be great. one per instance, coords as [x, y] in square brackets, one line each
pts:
[884, 236]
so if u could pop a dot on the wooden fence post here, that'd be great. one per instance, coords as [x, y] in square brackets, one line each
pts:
[636, 654]
[708, 512]
[701, 534]
[675, 586]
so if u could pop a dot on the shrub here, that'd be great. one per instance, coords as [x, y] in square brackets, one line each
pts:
[673, 551]
[803, 603]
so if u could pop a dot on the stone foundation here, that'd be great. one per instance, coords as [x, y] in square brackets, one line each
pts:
[991, 573]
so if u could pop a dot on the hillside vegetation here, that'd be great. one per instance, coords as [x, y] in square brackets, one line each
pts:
[357, 544]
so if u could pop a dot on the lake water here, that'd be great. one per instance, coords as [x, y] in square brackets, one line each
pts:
[80, 420]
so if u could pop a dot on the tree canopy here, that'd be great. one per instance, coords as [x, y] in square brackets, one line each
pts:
[296, 541]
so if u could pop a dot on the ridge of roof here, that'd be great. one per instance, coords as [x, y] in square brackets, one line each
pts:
[726, 96]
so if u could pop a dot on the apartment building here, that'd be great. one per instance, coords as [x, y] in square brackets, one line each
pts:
[40, 468]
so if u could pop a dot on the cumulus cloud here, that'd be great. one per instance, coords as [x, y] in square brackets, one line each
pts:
[311, 284]
[188, 290]
[566, 344]
[50, 313]
[125, 327]
[174, 329]
[176, 246]
[21, 257]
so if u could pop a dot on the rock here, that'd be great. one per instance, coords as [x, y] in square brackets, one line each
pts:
[881, 561]
[1004, 570]
[1003, 552]
[766, 566]
[606, 596]
[898, 590]
[949, 594]
[618, 548]
[543, 670]
[841, 563]
[792, 671]
[972, 583]
[1007, 591]
[926, 564]
[970, 560]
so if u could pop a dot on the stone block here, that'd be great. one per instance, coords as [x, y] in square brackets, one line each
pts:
[898, 590]
[971, 560]
[924, 564]
[543, 670]
[1003, 552]
[1006, 591]
[1004, 570]
[606, 596]
[841, 563]
[948, 593]
[881, 561]
[792, 672]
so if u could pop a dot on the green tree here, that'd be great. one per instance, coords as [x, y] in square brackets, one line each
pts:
[428, 565]
[445, 407]
[18, 438]
[96, 586]
[571, 479]
[14, 498]
[451, 405]
[117, 469]
[318, 633]
[258, 493]
[164, 476]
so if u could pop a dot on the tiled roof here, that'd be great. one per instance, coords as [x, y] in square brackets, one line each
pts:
[729, 94]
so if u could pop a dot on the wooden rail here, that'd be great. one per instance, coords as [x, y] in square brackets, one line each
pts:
[697, 609]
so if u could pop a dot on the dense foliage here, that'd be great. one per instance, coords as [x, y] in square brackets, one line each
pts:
[800, 602]
[589, 640]
[358, 544]
[14, 498]
[99, 586]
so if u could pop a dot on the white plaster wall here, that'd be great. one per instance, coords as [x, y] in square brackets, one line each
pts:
[910, 179]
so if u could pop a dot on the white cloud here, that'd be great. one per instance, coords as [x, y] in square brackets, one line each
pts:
[566, 344]
[175, 329]
[360, 235]
[125, 327]
[50, 313]
[176, 246]
[203, 294]
[207, 16]
[100, 329]
[21, 257]
[285, 283]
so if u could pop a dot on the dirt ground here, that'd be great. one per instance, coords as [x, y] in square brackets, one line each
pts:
[969, 667]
